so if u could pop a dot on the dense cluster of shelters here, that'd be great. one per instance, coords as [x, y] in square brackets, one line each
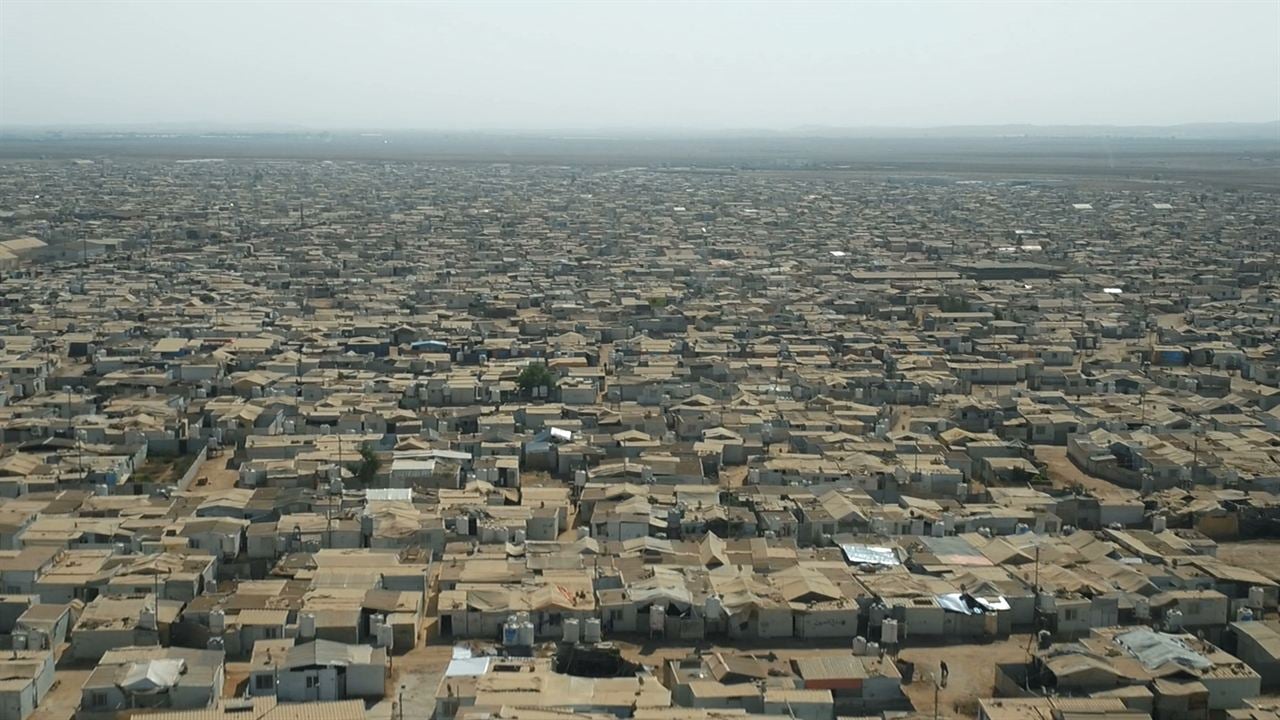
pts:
[267, 427]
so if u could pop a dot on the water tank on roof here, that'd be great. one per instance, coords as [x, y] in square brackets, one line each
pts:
[1142, 609]
[657, 619]
[147, 617]
[511, 632]
[572, 630]
[1244, 614]
[20, 640]
[1159, 523]
[877, 614]
[384, 636]
[889, 632]
[591, 631]
[1257, 597]
[1173, 620]
[217, 622]
[375, 620]
[859, 646]
[306, 625]
[712, 607]
[526, 634]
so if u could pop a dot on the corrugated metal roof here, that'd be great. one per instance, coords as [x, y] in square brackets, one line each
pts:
[831, 667]
[266, 708]
[1154, 649]
[869, 555]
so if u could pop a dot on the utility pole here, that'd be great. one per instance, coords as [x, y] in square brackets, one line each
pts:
[1037, 575]
[1195, 454]
[936, 691]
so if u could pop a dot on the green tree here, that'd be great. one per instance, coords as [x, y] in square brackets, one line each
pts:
[535, 375]
[367, 469]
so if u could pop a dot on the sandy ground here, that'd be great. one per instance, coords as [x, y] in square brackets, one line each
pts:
[1064, 473]
[413, 682]
[971, 674]
[217, 473]
[64, 697]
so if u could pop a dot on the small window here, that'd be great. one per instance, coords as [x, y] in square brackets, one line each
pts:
[615, 615]
[98, 699]
[273, 633]
[264, 682]
[312, 681]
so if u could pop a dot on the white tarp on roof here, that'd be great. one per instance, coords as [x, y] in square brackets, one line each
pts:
[971, 604]
[869, 555]
[152, 676]
[389, 494]
[468, 667]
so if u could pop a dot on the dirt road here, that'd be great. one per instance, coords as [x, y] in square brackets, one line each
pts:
[1063, 473]
[217, 473]
[972, 674]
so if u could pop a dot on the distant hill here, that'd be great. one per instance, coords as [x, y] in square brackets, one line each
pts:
[1190, 131]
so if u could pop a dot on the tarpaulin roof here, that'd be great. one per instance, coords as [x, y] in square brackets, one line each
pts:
[1154, 649]
[468, 667]
[869, 554]
[152, 676]
[967, 604]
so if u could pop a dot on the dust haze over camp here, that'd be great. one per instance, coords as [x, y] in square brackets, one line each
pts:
[766, 65]
[666, 361]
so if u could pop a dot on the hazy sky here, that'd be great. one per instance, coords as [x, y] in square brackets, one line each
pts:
[611, 64]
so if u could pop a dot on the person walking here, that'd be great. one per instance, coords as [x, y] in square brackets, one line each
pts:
[942, 665]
